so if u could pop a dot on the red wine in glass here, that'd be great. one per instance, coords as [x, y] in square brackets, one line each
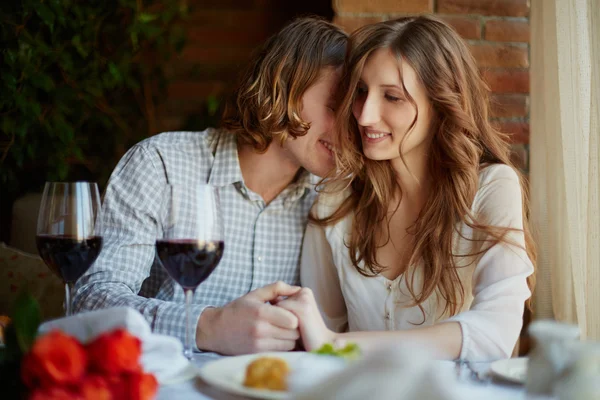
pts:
[192, 243]
[65, 237]
[189, 262]
[67, 256]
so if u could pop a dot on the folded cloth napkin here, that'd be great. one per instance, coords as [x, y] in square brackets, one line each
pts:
[393, 373]
[161, 355]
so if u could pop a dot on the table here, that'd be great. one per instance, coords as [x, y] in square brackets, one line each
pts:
[492, 389]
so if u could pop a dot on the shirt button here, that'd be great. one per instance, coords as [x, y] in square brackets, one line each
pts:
[388, 316]
[259, 258]
[389, 287]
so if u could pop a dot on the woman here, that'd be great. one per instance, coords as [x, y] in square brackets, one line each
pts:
[422, 234]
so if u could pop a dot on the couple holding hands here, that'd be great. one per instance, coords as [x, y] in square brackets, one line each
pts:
[416, 232]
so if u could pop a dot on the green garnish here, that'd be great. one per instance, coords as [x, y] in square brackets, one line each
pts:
[350, 352]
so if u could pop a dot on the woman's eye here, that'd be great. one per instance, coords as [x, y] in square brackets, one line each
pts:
[393, 99]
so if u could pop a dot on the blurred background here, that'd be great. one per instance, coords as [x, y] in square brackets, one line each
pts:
[82, 81]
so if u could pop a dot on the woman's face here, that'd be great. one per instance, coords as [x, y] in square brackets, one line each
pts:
[384, 113]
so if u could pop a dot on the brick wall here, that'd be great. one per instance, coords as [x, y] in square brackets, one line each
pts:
[497, 32]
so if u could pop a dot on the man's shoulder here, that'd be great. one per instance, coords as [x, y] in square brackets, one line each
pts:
[174, 139]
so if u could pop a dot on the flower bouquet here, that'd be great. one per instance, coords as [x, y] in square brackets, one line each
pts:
[57, 366]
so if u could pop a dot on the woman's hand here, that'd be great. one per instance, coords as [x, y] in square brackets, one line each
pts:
[313, 331]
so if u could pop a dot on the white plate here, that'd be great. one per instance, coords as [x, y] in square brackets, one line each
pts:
[228, 373]
[512, 369]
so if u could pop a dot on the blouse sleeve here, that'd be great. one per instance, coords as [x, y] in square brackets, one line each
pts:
[318, 272]
[493, 323]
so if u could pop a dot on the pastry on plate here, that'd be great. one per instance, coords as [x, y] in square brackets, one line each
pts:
[267, 373]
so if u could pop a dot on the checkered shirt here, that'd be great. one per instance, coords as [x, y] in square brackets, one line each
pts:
[262, 242]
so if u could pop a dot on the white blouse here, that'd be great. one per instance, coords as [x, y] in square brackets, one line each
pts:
[495, 281]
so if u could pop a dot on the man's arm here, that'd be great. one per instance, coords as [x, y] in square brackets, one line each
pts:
[129, 224]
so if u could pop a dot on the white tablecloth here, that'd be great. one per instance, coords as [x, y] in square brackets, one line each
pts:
[490, 389]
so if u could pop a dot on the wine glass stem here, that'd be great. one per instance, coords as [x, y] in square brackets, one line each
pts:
[68, 309]
[188, 352]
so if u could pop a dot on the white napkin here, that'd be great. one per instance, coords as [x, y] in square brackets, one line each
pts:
[312, 369]
[393, 373]
[161, 355]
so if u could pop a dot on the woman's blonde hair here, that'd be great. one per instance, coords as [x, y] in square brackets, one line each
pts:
[268, 101]
[463, 142]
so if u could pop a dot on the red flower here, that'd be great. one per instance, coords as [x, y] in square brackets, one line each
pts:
[53, 393]
[95, 387]
[135, 386]
[54, 359]
[115, 352]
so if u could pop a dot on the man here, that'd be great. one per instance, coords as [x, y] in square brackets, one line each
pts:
[278, 132]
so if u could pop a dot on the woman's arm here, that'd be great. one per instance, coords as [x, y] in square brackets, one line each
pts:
[443, 340]
[490, 328]
[318, 272]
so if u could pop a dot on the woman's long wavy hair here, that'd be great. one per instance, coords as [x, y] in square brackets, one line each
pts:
[462, 144]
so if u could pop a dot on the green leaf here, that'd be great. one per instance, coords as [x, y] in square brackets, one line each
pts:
[115, 72]
[76, 41]
[134, 40]
[9, 80]
[26, 320]
[43, 82]
[212, 104]
[350, 352]
[146, 17]
[45, 14]
[35, 108]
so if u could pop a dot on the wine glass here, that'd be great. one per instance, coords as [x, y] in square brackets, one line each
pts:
[193, 241]
[66, 237]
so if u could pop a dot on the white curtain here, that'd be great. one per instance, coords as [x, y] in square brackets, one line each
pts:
[565, 160]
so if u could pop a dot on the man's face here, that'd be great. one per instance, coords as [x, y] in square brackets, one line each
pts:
[313, 151]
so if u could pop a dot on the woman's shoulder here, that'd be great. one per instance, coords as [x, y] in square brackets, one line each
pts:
[499, 189]
[492, 173]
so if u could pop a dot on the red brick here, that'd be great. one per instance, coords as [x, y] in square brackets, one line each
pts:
[171, 123]
[201, 35]
[190, 90]
[518, 131]
[468, 28]
[237, 19]
[504, 8]
[350, 24]
[507, 80]
[184, 70]
[237, 4]
[187, 104]
[216, 55]
[501, 30]
[383, 6]
[509, 105]
[500, 55]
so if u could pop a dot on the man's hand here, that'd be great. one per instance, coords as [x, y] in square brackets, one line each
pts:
[313, 329]
[250, 324]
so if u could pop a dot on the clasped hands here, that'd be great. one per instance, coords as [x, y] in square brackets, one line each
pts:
[271, 318]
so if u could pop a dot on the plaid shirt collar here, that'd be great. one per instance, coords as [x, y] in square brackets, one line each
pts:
[226, 165]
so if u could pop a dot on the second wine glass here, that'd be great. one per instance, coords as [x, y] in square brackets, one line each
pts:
[66, 231]
[193, 241]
